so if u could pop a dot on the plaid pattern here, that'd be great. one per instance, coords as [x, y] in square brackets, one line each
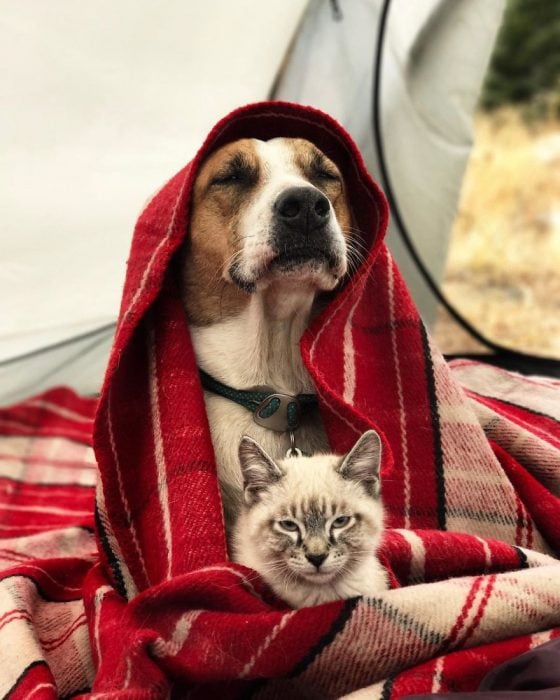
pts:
[470, 480]
[47, 478]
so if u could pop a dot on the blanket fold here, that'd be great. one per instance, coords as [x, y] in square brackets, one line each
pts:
[470, 473]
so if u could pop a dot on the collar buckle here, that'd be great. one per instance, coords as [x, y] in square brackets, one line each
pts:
[279, 412]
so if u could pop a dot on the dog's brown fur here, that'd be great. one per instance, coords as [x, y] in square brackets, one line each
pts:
[246, 339]
[214, 238]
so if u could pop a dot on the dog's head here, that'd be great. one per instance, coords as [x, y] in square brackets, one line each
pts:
[266, 211]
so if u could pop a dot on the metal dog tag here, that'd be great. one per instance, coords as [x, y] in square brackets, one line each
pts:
[279, 412]
[293, 451]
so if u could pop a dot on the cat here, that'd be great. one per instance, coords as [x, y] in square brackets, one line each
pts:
[311, 526]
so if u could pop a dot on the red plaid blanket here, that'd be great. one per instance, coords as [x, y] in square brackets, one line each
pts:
[471, 481]
[47, 546]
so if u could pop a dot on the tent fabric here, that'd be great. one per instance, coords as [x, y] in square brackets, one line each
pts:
[470, 478]
[115, 99]
[433, 61]
[108, 90]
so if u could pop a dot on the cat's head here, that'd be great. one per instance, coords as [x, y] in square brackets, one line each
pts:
[313, 519]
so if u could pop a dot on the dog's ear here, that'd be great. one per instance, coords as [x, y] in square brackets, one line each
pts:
[259, 470]
[363, 462]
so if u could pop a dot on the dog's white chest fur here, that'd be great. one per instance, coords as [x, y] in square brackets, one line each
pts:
[269, 231]
[253, 349]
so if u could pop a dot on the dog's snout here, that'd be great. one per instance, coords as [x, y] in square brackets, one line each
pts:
[305, 208]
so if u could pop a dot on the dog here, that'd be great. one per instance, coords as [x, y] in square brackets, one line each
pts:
[269, 235]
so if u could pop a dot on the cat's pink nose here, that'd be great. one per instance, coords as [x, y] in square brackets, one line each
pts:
[316, 559]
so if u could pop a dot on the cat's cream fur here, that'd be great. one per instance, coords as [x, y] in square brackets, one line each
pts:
[311, 526]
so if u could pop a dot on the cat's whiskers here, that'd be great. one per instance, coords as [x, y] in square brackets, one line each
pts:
[308, 495]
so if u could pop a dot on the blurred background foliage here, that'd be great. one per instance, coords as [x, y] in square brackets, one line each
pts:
[503, 266]
[525, 66]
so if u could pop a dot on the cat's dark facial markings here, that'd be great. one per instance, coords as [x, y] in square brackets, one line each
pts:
[312, 525]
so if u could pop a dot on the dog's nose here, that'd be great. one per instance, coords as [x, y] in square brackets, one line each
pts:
[304, 208]
[316, 559]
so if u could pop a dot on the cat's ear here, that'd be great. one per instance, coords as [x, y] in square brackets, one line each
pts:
[259, 470]
[363, 462]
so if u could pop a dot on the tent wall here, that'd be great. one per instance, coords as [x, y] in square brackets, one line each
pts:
[102, 103]
[433, 63]
[105, 101]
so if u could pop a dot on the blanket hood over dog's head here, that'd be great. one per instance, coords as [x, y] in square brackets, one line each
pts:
[152, 440]
[159, 511]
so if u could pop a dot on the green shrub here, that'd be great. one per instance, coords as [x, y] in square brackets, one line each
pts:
[526, 60]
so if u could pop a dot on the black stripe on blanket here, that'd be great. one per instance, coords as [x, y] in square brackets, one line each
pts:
[111, 557]
[387, 689]
[406, 621]
[438, 452]
[523, 563]
[75, 693]
[337, 627]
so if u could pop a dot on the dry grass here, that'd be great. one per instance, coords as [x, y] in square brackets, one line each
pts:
[503, 268]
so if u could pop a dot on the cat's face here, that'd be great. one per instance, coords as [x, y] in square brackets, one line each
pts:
[313, 519]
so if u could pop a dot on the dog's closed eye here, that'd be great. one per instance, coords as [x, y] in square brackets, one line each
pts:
[321, 169]
[238, 171]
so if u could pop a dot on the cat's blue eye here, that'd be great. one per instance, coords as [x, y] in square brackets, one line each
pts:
[341, 521]
[288, 525]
